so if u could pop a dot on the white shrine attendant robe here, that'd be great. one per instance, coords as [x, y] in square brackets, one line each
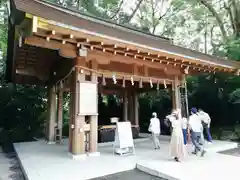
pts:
[177, 148]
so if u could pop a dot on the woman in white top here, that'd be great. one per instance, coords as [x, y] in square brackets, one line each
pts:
[177, 148]
[155, 129]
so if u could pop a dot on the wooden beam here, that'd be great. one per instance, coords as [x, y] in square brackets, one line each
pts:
[65, 50]
[94, 64]
[135, 69]
[100, 46]
[49, 25]
[70, 51]
[105, 58]
[145, 70]
[77, 34]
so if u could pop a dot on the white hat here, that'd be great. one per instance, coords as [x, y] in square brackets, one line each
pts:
[154, 114]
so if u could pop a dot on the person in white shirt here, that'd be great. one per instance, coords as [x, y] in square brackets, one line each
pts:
[206, 121]
[195, 126]
[155, 129]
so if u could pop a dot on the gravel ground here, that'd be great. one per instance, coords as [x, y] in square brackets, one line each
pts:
[129, 175]
[232, 152]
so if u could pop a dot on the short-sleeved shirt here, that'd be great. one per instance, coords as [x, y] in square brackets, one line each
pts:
[205, 118]
[195, 123]
[155, 125]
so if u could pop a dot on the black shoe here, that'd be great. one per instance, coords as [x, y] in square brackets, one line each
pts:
[194, 152]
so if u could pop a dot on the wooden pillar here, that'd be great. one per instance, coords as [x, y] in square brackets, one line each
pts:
[184, 83]
[60, 114]
[51, 114]
[125, 105]
[71, 114]
[131, 108]
[136, 109]
[78, 121]
[173, 97]
[94, 118]
[176, 94]
[93, 134]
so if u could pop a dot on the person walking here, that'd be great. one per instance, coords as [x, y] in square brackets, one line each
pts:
[155, 129]
[177, 148]
[206, 121]
[195, 128]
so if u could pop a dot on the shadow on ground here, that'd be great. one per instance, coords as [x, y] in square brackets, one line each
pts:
[232, 152]
[129, 175]
[14, 171]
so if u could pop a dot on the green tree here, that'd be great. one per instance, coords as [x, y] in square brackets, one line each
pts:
[3, 36]
[22, 108]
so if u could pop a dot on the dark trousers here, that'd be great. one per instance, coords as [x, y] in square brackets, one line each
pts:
[208, 134]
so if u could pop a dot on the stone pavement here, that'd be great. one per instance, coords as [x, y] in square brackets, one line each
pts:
[46, 162]
[210, 167]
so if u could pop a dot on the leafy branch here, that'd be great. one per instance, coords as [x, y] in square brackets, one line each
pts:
[217, 16]
[130, 17]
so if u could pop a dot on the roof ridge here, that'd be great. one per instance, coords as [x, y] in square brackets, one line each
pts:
[116, 32]
[119, 26]
[93, 18]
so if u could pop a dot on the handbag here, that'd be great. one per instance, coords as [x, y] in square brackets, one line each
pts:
[167, 122]
[204, 124]
[150, 128]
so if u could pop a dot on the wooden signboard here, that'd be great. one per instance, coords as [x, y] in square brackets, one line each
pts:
[88, 99]
[123, 138]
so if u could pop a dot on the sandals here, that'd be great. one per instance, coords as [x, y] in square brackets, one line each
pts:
[176, 159]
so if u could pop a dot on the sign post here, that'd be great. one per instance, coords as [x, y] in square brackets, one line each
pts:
[123, 143]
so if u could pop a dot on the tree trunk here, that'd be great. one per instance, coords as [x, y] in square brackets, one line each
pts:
[236, 17]
[218, 19]
[79, 4]
[118, 10]
[134, 12]
[205, 41]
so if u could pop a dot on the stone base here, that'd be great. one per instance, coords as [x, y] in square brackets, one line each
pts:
[78, 156]
[94, 154]
[50, 142]
[59, 142]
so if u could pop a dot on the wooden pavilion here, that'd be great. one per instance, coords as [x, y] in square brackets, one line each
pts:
[64, 50]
